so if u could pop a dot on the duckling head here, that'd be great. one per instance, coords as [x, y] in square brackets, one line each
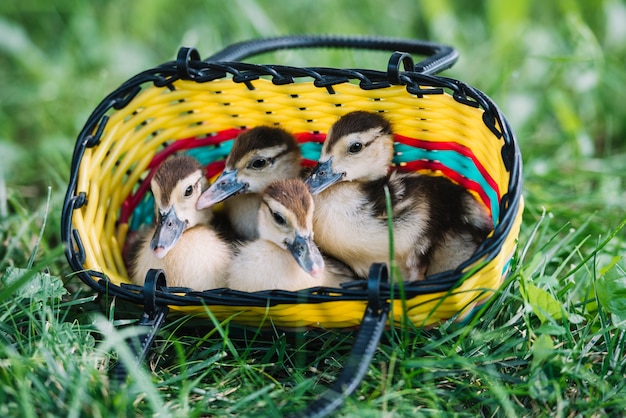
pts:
[286, 220]
[176, 186]
[358, 147]
[258, 157]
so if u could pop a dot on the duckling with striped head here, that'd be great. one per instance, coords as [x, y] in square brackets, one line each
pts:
[183, 243]
[258, 157]
[285, 255]
[437, 224]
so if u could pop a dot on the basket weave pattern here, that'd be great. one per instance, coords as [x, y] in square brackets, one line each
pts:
[442, 127]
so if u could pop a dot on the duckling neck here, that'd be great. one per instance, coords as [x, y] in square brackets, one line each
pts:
[200, 217]
[242, 211]
[345, 227]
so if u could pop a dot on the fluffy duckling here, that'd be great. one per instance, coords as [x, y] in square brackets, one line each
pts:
[183, 244]
[284, 256]
[436, 224]
[258, 157]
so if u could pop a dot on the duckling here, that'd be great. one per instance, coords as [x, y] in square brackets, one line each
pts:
[259, 156]
[183, 243]
[284, 256]
[437, 224]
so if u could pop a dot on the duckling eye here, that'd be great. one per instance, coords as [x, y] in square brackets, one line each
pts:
[355, 148]
[188, 191]
[258, 163]
[279, 218]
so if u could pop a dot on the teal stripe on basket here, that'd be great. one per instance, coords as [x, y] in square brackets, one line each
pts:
[206, 155]
[143, 213]
[311, 150]
[457, 162]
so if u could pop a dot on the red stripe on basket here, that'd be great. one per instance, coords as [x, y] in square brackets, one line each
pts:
[194, 142]
[447, 146]
[452, 175]
[214, 168]
[308, 163]
[310, 137]
[451, 146]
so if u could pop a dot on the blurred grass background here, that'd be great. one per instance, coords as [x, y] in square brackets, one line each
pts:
[556, 69]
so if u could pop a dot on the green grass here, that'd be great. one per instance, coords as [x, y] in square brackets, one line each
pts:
[551, 343]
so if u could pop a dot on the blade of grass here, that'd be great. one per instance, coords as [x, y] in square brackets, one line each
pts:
[31, 260]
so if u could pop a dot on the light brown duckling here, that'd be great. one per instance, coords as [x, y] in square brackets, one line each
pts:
[436, 224]
[284, 256]
[183, 243]
[258, 157]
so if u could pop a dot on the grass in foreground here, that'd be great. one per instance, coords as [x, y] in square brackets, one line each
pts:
[539, 348]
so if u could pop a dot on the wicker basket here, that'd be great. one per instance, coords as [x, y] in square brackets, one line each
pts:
[443, 127]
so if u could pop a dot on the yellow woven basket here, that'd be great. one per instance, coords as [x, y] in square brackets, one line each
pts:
[442, 126]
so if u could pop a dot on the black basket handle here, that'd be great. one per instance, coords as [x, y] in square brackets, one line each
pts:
[438, 57]
[363, 350]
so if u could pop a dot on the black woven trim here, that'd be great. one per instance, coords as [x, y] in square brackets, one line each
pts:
[177, 296]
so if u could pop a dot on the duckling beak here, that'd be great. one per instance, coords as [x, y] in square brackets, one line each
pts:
[168, 230]
[226, 185]
[307, 255]
[322, 177]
